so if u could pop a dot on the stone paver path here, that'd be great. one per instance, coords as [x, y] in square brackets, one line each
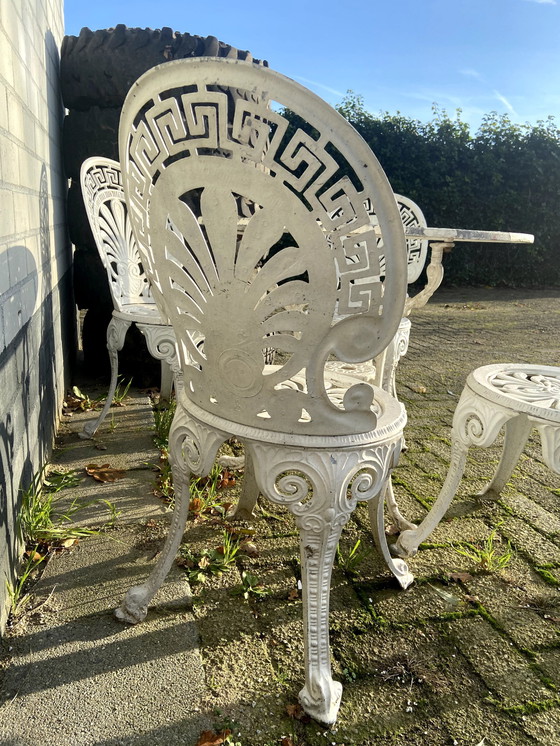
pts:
[464, 657]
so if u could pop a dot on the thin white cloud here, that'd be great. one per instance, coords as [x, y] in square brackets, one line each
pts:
[505, 102]
[320, 85]
[470, 73]
[543, 2]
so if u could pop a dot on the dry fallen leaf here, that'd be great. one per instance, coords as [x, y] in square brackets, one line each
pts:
[460, 577]
[419, 388]
[249, 548]
[34, 556]
[286, 741]
[105, 472]
[211, 738]
[195, 505]
[67, 543]
[298, 713]
[227, 479]
[472, 600]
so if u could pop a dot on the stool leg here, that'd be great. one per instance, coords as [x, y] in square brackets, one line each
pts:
[516, 433]
[393, 509]
[550, 440]
[408, 542]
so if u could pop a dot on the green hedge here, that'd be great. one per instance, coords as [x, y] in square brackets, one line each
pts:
[504, 177]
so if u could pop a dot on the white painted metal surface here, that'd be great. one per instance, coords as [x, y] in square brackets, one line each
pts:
[205, 148]
[517, 397]
[107, 212]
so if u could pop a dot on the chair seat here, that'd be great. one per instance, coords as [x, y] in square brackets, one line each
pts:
[144, 313]
[391, 416]
[533, 390]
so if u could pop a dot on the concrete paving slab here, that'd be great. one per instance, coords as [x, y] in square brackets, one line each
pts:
[77, 675]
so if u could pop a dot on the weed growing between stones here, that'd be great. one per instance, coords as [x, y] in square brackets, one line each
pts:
[44, 526]
[488, 557]
[43, 519]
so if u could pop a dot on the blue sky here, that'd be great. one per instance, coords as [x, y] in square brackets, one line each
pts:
[400, 55]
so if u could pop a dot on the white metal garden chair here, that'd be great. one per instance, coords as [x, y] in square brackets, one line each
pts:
[133, 303]
[197, 163]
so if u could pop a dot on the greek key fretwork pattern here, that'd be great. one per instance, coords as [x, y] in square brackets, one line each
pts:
[252, 226]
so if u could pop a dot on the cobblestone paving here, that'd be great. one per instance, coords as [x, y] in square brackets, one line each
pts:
[469, 655]
[464, 656]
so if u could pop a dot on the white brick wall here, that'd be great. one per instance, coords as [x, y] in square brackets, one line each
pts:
[35, 256]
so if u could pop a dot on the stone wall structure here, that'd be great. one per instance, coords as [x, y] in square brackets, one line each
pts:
[37, 318]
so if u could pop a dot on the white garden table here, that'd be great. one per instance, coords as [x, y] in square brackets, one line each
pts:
[443, 240]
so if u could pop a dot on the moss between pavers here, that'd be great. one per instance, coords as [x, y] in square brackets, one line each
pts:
[549, 664]
[513, 609]
[474, 723]
[537, 516]
[435, 563]
[416, 604]
[376, 712]
[504, 670]
[537, 470]
[460, 530]
[544, 726]
[546, 497]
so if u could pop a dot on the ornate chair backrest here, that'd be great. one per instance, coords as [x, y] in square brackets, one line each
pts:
[416, 248]
[232, 208]
[107, 213]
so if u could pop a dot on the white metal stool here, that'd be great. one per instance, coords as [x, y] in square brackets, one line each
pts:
[516, 396]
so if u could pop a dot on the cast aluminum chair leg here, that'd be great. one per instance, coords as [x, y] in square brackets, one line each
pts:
[116, 334]
[161, 344]
[187, 452]
[166, 386]
[243, 511]
[314, 486]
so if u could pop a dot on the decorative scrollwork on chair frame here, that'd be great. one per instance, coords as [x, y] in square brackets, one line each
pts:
[191, 155]
[256, 238]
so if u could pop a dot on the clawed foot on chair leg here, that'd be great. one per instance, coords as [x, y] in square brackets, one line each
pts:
[320, 699]
[135, 605]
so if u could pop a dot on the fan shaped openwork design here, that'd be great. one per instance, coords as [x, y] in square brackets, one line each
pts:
[255, 235]
[106, 208]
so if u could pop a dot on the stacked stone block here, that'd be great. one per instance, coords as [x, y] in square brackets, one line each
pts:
[36, 307]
